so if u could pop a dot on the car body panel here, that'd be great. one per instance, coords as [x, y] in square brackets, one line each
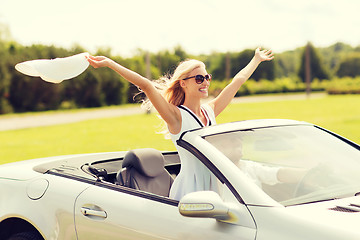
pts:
[52, 214]
[154, 217]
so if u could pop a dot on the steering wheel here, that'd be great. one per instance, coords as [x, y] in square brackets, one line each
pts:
[315, 179]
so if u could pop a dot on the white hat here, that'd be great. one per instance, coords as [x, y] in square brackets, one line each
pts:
[55, 70]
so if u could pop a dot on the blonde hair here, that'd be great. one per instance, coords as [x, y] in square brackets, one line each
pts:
[171, 89]
[170, 86]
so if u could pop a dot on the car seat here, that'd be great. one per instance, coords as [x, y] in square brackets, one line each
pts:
[143, 169]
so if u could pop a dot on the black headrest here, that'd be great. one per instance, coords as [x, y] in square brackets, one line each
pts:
[147, 161]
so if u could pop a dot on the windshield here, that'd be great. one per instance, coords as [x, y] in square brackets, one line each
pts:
[294, 164]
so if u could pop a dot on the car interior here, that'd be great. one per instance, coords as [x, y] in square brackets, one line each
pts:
[145, 169]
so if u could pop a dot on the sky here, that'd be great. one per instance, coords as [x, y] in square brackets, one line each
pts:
[198, 26]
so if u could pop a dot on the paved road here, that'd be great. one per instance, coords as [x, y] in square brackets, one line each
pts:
[37, 120]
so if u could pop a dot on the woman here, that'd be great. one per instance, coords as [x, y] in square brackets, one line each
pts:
[180, 107]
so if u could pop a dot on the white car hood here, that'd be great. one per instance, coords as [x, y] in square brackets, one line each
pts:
[341, 214]
[322, 220]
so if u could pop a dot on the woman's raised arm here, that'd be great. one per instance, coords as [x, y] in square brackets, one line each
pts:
[228, 93]
[169, 113]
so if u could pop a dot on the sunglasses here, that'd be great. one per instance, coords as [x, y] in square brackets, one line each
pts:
[199, 79]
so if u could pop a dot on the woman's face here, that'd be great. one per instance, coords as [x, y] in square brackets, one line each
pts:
[194, 89]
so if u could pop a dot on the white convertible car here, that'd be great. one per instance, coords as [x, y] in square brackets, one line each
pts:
[277, 179]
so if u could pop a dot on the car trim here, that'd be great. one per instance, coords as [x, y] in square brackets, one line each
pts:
[138, 193]
[72, 177]
[246, 129]
[118, 188]
[351, 143]
[210, 166]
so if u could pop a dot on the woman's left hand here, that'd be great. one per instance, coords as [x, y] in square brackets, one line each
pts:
[264, 55]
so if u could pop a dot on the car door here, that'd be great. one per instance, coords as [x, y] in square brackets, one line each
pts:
[107, 211]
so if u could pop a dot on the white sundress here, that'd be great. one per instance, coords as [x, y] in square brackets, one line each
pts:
[193, 176]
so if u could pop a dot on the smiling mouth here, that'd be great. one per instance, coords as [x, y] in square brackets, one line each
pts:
[203, 89]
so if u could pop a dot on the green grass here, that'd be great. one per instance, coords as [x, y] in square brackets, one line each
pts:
[340, 114]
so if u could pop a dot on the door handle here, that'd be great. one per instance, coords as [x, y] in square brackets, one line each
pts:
[93, 212]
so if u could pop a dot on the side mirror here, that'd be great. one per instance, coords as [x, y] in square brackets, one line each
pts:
[206, 204]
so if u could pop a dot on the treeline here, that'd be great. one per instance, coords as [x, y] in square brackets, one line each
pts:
[102, 87]
[21, 93]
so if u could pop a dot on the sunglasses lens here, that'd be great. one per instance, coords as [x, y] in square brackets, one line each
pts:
[199, 79]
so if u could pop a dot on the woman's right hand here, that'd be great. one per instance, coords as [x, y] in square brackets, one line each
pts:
[264, 55]
[98, 61]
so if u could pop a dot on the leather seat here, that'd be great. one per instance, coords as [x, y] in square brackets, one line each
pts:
[143, 169]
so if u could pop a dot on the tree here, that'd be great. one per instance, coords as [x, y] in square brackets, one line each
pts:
[238, 61]
[349, 66]
[5, 106]
[318, 69]
[333, 54]
[29, 93]
[166, 61]
[287, 63]
[216, 65]
[266, 70]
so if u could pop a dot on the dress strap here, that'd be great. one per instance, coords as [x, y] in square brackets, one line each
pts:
[196, 117]
[207, 115]
[191, 114]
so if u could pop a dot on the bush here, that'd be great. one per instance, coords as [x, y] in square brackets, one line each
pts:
[217, 86]
[346, 85]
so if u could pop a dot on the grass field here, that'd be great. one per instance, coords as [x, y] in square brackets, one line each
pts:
[340, 114]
